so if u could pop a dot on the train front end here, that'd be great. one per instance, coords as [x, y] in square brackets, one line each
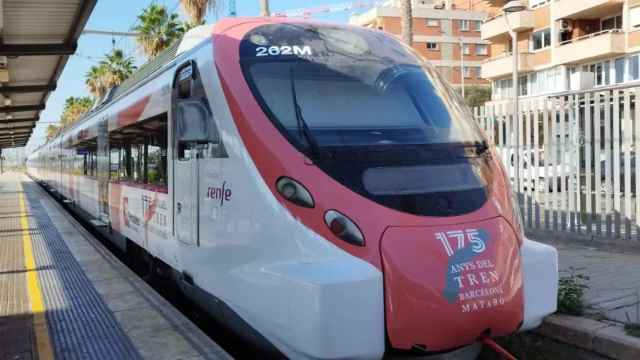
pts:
[366, 145]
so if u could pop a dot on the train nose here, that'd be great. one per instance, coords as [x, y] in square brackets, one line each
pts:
[447, 285]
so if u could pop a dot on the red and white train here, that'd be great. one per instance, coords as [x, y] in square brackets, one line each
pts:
[317, 187]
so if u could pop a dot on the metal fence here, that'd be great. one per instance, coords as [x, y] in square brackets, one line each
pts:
[578, 164]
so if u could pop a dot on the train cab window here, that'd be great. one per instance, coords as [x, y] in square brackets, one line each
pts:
[196, 131]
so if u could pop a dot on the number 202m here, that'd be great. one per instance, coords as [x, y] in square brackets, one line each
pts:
[283, 50]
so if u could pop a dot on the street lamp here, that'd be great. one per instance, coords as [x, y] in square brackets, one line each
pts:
[509, 8]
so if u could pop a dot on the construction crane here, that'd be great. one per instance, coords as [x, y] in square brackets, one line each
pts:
[333, 8]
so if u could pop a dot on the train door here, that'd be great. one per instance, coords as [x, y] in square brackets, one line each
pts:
[102, 171]
[196, 141]
[185, 167]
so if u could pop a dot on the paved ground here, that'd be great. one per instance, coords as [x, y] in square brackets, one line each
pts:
[64, 296]
[614, 279]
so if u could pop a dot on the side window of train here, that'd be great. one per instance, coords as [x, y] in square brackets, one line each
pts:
[196, 132]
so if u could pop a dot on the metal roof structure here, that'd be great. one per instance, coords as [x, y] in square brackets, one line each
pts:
[36, 39]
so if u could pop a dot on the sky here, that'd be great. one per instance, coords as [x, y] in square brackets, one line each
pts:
[120, 15]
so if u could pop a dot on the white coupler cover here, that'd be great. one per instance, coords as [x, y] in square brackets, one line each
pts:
[540, 275]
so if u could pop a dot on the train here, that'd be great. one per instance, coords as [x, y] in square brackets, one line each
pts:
[318, 188]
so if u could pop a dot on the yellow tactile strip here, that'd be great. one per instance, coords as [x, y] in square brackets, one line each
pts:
[43, 342]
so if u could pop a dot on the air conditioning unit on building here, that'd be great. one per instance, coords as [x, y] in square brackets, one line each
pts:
[582, 80]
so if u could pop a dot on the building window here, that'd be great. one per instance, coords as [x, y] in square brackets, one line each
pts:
[633, 68]
[540, 39]
[478, 25]
[478, 72]
[467, 72]
[466, 49]
[482, 49]
[464, 25]
[523, 86]
[433, 22]
[502, 89]
[432, 46]
[602, 71]
[619, 68]
[546, 81]
[614, 22]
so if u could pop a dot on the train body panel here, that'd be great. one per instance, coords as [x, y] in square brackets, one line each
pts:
[189, 165]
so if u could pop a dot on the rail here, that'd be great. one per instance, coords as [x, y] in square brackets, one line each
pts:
[590, 36]
[505, 55]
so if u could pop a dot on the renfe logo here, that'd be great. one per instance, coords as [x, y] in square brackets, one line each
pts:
[220, 193]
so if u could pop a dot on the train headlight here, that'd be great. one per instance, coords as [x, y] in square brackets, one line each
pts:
[294, 191]
[342, 227]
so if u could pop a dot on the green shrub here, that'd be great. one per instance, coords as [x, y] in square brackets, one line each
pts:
[571, 289]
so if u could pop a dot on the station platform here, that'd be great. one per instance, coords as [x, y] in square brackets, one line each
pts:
[63, 295]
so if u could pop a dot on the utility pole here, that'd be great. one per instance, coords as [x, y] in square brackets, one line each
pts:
[511, 7]
[462, 65]
[1, 158]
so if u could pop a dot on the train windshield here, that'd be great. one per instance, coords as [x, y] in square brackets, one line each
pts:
[371, 114]
[332, 87]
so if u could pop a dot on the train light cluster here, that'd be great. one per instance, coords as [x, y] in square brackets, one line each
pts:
[294, 191]
[342, 227]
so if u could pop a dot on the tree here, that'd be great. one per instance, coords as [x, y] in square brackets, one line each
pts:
[110, 72]
[118, 68]
[52, 131]
[95, 80]
[477, 95]
[264, 8]
[406, 21]
[157, 29]
[74, 108]
[197, 9]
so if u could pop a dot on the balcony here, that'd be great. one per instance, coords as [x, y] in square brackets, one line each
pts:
[584, 9]
[503, 65]
[590, 47]
[497, 26]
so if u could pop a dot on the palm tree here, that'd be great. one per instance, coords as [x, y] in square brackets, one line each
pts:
[74, 108]
[197, 9]
[110, 72]
[406, 21]
[158, 29]
[52, 131]
[264, 8]
[118, 68]
[95, 80]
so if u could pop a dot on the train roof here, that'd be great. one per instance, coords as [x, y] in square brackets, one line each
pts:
[189, 41]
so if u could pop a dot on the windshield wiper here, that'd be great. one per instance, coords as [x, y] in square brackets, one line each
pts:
[303, 128]
[481, 147]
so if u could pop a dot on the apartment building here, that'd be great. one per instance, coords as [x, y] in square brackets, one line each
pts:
[447, 33]
[563, 45]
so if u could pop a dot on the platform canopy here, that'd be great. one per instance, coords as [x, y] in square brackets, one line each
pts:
[36, 39]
